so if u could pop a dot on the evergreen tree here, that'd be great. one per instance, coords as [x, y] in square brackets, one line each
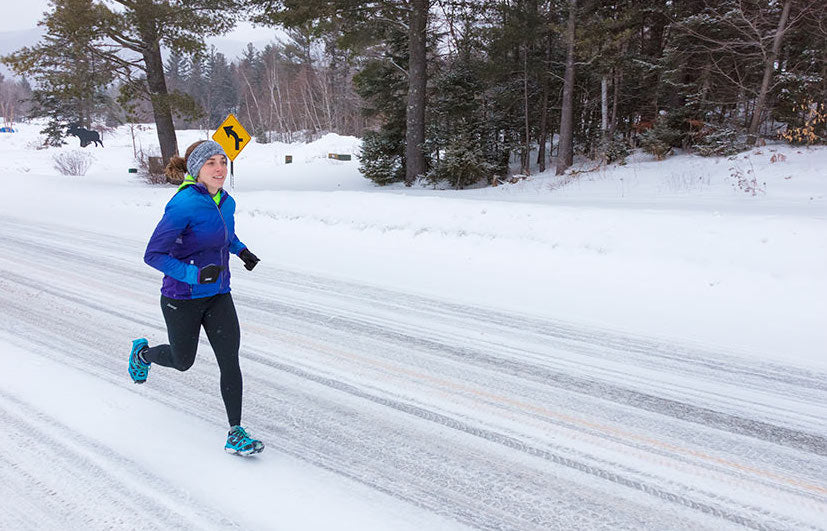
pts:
[461, 135]
[182, 103]
[197, 89]
[223, 93]
[71, 77]
[736, 56]
[382, 85]
[565, 150]
[176, 70]
[365, 23]
[339, 69]
[140, 27]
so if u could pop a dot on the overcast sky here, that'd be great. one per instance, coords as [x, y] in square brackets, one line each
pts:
[27, 13]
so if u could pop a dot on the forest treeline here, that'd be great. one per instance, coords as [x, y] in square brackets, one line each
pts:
[445, 90]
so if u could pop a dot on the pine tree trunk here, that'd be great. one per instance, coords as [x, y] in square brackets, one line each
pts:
[824, 74]
[604, 106]
[417, 78]
[617, 76]
[526, 159]
[654, 50]
[543, 133]
[541, 151]
[769, 67]
[160, 100]
[565, 152]
[604, 117]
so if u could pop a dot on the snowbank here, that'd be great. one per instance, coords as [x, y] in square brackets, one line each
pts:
[671, 249]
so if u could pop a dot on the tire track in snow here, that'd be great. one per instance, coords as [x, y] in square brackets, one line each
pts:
[318, 447]
[522, 446]
[107, 501]
[599, 343]
[720, 364]
[681, 410]
[403, 471]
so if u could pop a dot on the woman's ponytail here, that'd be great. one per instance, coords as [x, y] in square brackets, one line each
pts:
[176, 170]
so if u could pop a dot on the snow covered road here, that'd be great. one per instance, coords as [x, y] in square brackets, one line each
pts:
[413, 412]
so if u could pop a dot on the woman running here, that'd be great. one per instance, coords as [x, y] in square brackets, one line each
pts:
[191, 245]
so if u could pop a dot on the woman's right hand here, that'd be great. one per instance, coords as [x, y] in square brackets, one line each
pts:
[209, 274]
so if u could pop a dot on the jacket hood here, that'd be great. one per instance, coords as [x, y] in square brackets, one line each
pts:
[188, 180]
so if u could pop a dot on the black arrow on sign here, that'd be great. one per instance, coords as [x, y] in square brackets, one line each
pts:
[228, 129]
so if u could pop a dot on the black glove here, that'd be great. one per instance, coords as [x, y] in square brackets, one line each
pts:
[209, 274]
[250, 260]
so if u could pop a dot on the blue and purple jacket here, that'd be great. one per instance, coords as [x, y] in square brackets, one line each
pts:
[197, 230]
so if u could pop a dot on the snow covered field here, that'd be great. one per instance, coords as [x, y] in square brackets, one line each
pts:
[640, 347]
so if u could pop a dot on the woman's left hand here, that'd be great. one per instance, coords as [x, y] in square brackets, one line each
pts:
[250, 260]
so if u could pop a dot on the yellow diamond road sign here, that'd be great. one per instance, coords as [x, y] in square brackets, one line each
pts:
[232, 137]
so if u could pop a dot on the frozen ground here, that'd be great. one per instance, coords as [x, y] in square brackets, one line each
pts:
[638, 347]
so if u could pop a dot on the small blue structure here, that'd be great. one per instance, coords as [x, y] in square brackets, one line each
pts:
[6, 130]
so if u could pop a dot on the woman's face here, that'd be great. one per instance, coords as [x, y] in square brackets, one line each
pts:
[213, 172]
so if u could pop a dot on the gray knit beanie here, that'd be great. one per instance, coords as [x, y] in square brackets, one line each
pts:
[200, 154]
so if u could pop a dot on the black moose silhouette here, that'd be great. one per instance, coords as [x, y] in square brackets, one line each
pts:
[85, 135]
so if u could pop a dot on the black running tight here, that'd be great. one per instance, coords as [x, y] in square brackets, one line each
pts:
[218, 317]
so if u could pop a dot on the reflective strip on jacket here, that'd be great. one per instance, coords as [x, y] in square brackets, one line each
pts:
[196, 230]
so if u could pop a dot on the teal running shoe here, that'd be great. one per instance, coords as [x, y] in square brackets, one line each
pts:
[138, 368]
[240, 443]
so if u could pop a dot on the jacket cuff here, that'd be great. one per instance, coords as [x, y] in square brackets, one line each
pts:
[236, 247]
[192, 274]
